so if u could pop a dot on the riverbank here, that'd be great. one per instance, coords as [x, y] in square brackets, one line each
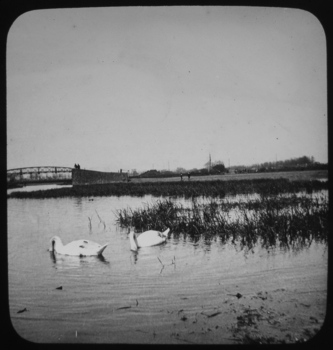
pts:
[189, 189]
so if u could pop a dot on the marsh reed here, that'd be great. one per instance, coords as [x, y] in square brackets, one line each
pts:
[287, 221]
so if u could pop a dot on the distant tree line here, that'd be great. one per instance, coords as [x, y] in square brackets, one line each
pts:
[301, 163]
[216, 168]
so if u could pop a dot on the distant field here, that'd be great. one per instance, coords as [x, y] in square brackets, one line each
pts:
[291, 175]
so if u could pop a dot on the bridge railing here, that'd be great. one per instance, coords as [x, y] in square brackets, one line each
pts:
[39, 174]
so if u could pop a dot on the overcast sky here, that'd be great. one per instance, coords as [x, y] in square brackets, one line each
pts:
[162, 87]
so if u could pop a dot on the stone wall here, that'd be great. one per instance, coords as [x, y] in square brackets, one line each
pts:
[90, 177]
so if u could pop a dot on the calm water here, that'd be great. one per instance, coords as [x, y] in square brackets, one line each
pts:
[108, 299]
[35, 187]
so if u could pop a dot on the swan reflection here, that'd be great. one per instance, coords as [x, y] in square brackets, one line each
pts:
[134, 256]
[144, 253]
[72, 262]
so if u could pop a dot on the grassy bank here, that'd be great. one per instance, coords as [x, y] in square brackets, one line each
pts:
[287, 221]
[188, 189]
[290, 175]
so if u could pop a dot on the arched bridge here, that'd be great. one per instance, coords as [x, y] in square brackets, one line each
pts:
[39, 174]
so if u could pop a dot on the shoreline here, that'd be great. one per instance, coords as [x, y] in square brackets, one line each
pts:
[272, 306]
[213, 187]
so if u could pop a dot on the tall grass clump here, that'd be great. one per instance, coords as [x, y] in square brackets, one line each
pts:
[289, 222]
[159, 215]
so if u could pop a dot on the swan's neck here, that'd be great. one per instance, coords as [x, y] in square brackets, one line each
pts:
[133, 241]
[56, 245]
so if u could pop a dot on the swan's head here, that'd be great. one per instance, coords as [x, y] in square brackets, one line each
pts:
[54, 242]
[165, 233]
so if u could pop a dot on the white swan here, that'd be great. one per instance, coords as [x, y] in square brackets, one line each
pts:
[81, 247]
[147, 239]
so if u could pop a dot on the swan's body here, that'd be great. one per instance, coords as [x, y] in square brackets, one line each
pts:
[81, 247]
[147, 239]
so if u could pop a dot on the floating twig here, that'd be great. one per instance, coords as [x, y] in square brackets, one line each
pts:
[22, 310]
[123, 307]
[213, 314]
